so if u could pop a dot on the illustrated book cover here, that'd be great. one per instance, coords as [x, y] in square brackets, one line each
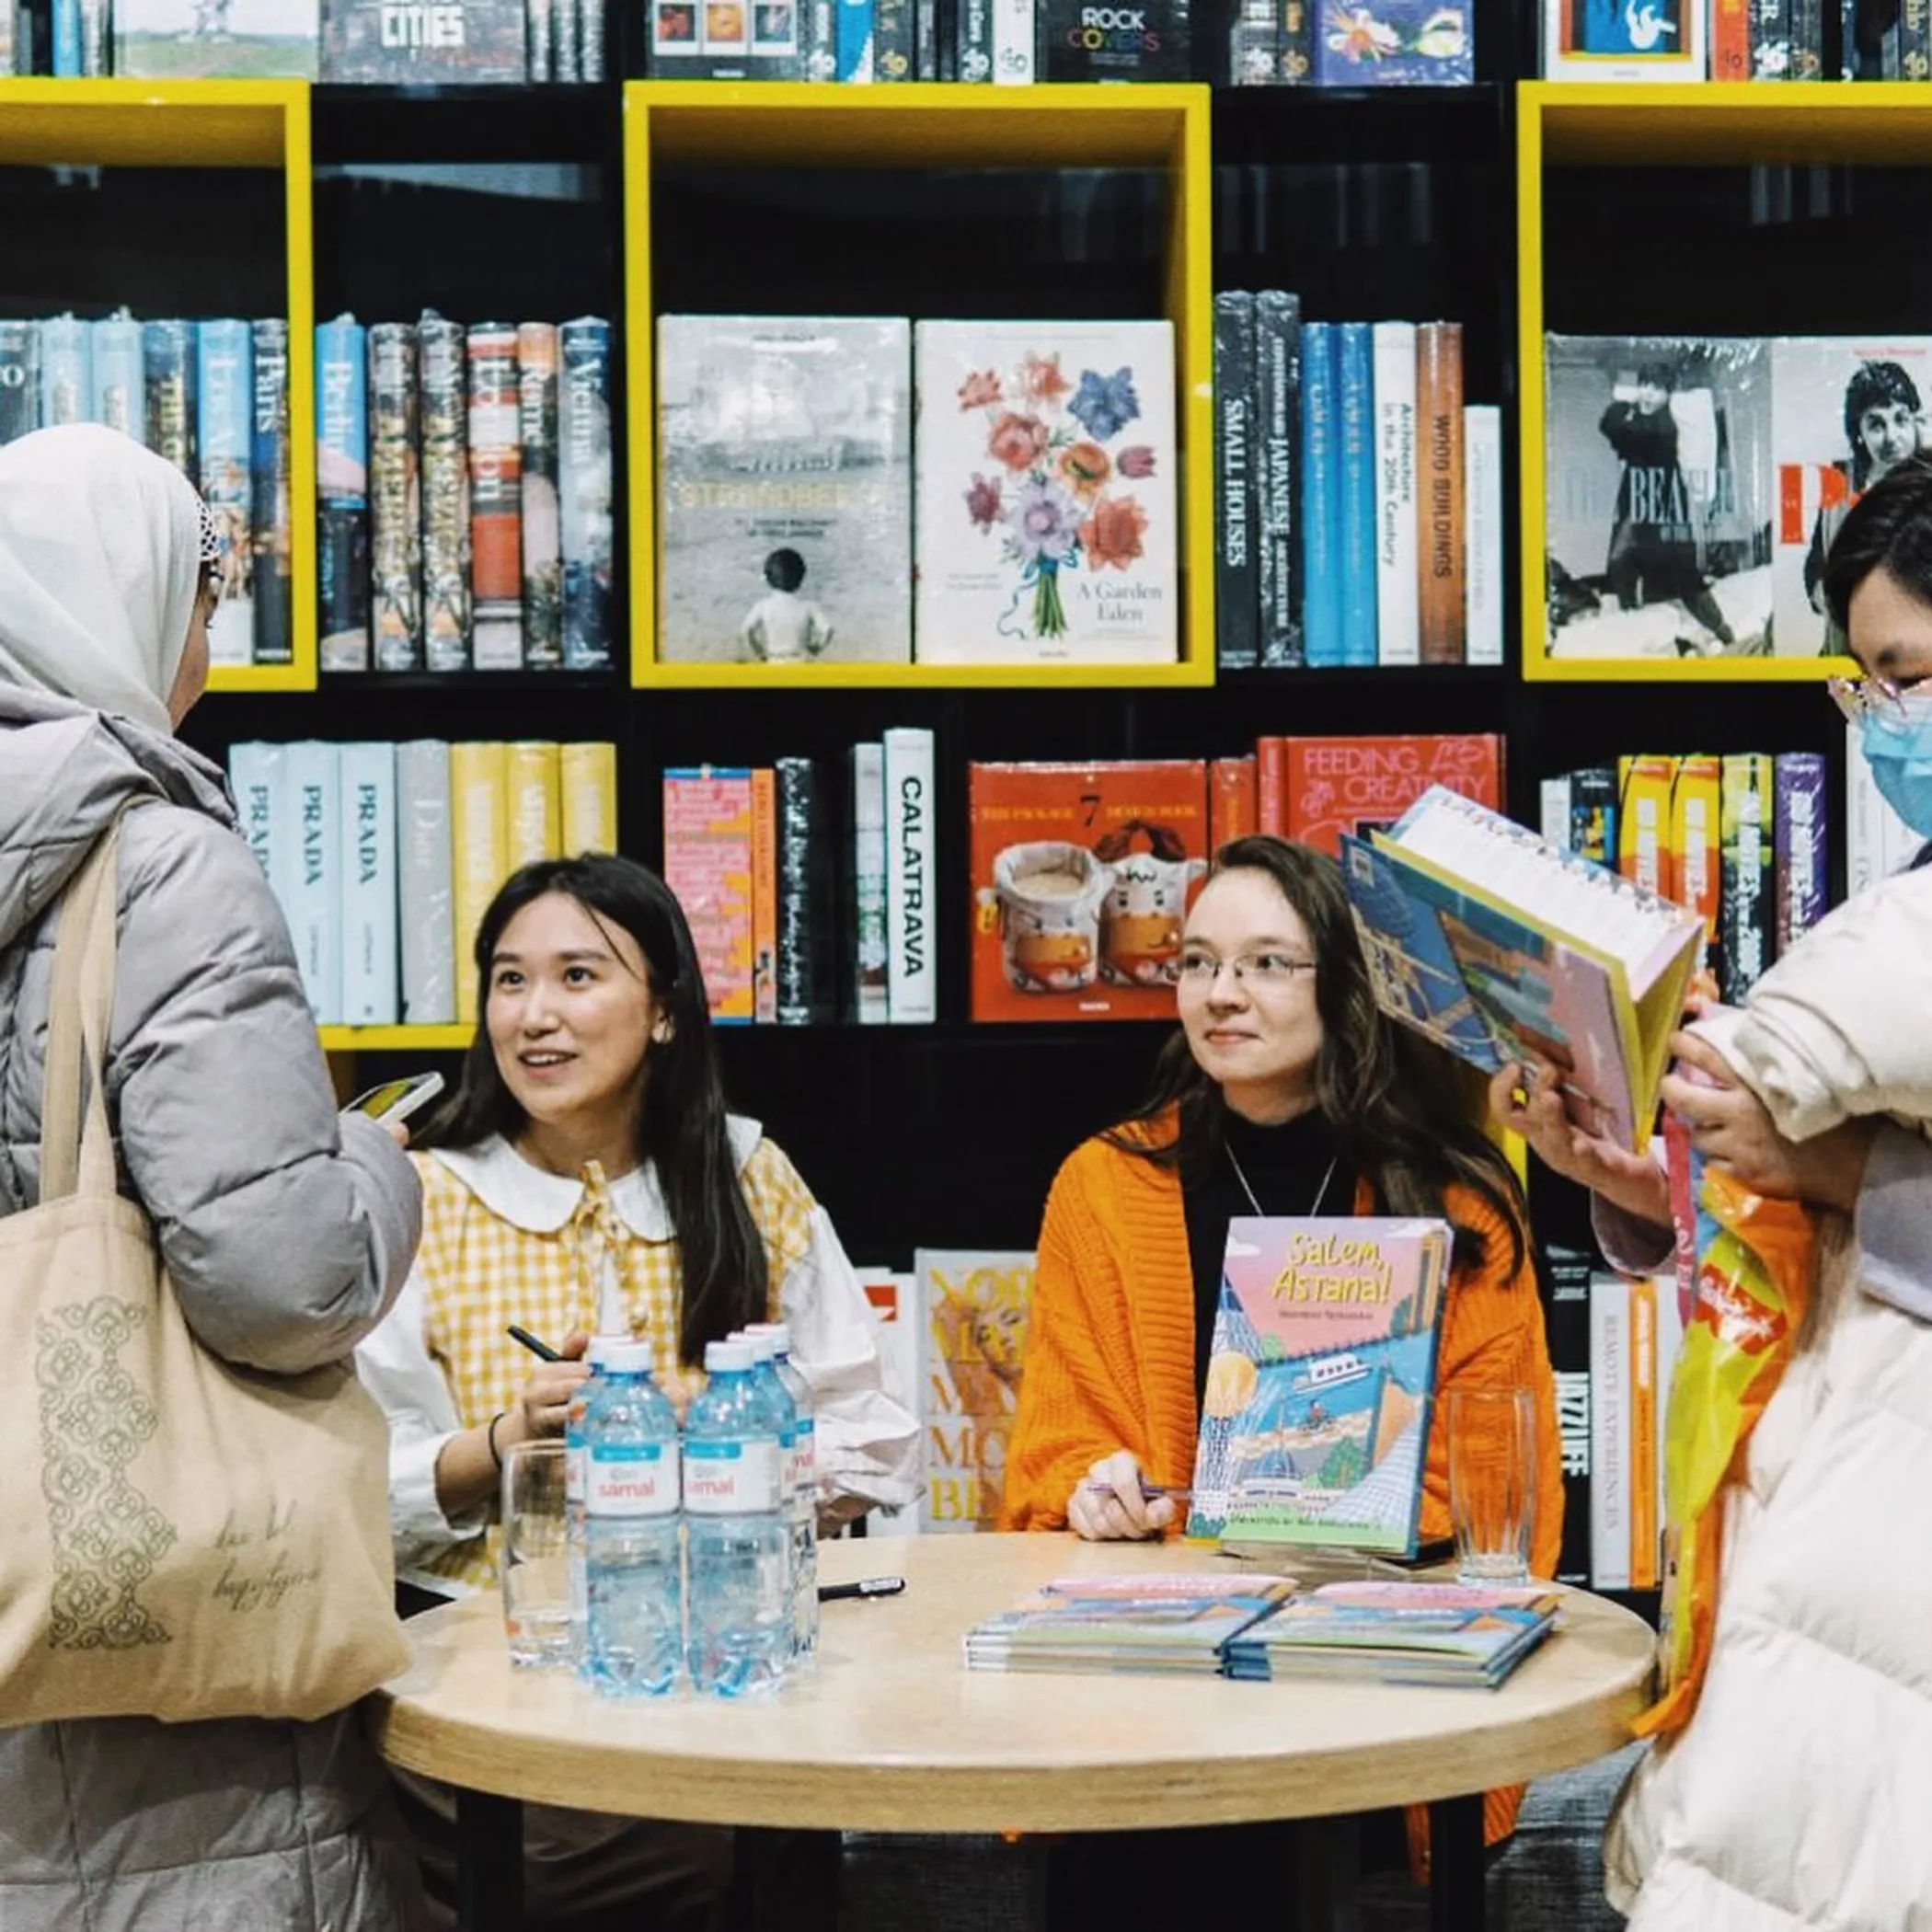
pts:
[397, 42]
[1082, 875]
[1321, 1374]
[227, 39]
[1364, 785]
[785, 501]
[1046, 527]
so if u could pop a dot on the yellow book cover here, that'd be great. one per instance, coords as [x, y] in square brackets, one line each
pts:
[765, 895]
[1696, 821]
[588, 788]
[479, 840]
[535, 808]
[1644, 1533]
[1643, 820]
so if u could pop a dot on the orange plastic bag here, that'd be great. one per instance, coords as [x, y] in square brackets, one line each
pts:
[1744, 1271]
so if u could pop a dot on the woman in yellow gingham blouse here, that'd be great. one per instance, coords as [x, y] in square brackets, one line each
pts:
[589, 1124]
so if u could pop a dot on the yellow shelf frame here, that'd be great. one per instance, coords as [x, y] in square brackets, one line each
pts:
[1704, 124]
[397, 1039]
[926, 125]
[206, 124]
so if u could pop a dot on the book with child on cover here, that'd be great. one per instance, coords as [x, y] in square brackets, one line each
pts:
[1321, 1376]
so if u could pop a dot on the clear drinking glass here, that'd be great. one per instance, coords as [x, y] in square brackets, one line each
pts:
[1492, 1461]
[535, 1561]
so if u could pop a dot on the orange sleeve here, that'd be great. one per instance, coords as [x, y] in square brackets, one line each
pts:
[1079, 1393]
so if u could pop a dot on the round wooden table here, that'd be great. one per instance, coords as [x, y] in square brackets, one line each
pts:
[893, 1734]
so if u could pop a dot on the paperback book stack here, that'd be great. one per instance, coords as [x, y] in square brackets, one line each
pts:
[212, 396]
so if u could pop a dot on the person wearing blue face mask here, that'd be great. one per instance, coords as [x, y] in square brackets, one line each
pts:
[1792, 1797]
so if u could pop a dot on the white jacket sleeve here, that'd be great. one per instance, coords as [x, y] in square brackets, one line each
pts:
[1819, 1039]
[867, 1446]
[399, 1371]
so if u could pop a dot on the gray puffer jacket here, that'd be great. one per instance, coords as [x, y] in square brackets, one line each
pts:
[287, 1236]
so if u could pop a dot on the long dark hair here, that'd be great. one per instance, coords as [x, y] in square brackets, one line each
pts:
[680, 1127]
[1397, 1105]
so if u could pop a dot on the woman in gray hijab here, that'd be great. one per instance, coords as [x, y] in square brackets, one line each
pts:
[286, 1231]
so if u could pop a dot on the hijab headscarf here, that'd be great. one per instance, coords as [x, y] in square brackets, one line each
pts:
[100, 553]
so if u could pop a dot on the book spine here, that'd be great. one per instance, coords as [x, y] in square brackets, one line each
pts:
[1272, 786]
[445, 495]
[910, 897]
[168, 356]
[537, 491]
[565, 52]
[584, 489]
[1730, 40]
[1439, 407]
[269, 534]
[1807, 42]
[1281, 346]
[1482, 525]
[1570, 1364]
[591, 29]
[925, 39]
[708, 863]
[369, 902]
[821, 39]
[765, 895]
[394, 507]
[1321, 499]
[66, 383]
[424, 883]
[479, 843]
[118, 375]
[1355, 461]
[1609, 1432]
[1014, 37]
[1643, 820]
[1397, 617]
[894, 50]
[1233, 804]
[540, 39]
[65, 26]
[313, 777]
[1645, 1536]
[1747, 931]
[225, 389]
[587, 790]
[855, 41]
[872, 954]
[1801, 839]
[1553, 811]
[496, 476]
[19, 380]
[1237, 571]
[1770, 39]
[1697, 839]
[974, 40]
[532, 779]
[1296, 43]
[805, 965]
[342, 567]
[1914, 38]
[258, 774]
[1593, 814]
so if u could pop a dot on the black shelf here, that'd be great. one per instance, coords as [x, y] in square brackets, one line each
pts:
[374, 124]
[1348, 124]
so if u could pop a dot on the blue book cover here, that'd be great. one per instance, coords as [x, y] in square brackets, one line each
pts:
[855, 39]
[1394, 43]
[1355, 451]
[1321, 498]
[224, 388]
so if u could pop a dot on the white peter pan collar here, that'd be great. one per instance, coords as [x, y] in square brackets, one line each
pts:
[540, 1202]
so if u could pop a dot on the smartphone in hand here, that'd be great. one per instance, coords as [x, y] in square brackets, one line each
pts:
[396, 1100]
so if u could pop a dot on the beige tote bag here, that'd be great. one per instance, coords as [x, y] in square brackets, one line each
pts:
[180, 1537]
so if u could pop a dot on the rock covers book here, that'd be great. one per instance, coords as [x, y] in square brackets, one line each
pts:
[1657, 509]
[1046, 493]
[785, 453]
[1320, 1377]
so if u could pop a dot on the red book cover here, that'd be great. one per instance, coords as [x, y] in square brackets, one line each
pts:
[1364, 785]
[1272, 786]
[1232, 802]
[709, 864]
[1081, 878]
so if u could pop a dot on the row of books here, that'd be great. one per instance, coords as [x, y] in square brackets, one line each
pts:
[464, 495]
[1737, 40]
[212, 396]
[1694, 483]
[750, 853]
[1742, 839]
[384, 856]
[391, 42]
[1029, 517]
[1358, 513]
[1256, 1627]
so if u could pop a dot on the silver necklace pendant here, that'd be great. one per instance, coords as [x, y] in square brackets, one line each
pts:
[1321, 1193]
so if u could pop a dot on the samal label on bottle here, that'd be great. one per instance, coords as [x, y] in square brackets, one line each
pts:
[631, 1480]
[731, 1479]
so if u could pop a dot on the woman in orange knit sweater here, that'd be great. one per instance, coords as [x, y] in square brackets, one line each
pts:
[1287, 1092]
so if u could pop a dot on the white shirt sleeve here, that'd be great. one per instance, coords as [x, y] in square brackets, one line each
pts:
[396, 1368]
[868, 1445]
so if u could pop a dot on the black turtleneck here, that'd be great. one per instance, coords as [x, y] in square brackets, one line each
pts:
[1286, 1166]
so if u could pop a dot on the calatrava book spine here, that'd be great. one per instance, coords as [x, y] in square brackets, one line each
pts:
[912, 951]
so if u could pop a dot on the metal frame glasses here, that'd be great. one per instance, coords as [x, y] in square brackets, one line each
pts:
[1857, 697]
[1266, 967]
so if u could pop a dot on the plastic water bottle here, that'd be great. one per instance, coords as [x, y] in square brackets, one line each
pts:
[740, 1626]
[804, 1496]
[635, 1631]
[771, 1385]
[594, 1356]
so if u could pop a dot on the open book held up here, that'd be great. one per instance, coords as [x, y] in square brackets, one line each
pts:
[1494, 944]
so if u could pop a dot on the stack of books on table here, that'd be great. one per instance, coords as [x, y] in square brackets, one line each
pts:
[1397, 1633]
[1165, 1625]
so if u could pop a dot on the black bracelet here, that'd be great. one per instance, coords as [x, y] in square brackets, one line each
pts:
[490, 1436]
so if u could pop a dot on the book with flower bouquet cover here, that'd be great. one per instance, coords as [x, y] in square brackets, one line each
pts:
[1428, 1633]
[1045, 522]
[1321, 1376]
[1169, 1624]
[1494, 944]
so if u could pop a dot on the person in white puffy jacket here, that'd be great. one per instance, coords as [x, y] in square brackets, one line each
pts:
[1796, 1794]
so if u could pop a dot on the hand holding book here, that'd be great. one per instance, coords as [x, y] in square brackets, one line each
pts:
[1529, 1101]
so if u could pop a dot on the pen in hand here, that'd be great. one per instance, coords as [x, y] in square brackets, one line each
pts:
[866, 1586]
[541, 1350]
[1150, 1491]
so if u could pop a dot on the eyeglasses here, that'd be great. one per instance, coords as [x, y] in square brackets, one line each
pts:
[1857, 697]
[1261, 969]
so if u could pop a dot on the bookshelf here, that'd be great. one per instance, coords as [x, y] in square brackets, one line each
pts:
[194, 125]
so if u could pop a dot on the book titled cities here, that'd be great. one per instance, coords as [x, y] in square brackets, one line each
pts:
[785, 447]
[1320, 1377]
[1046, 493]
